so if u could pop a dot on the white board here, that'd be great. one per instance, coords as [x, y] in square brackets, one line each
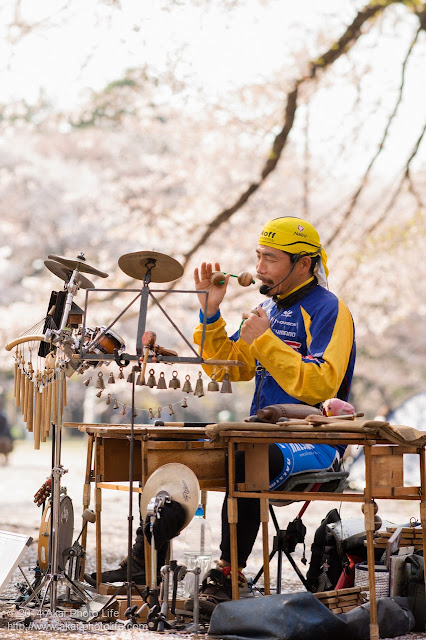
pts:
[12, 548]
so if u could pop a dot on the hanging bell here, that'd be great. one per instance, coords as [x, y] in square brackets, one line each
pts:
[87, 381]
[226, 384]
[140, 381]
[131, 377]
[123, 411]
[159, 412]
[108, 400]
[111, 379]
[171, 412]
[100, 381]
[213, 384]
[98, 395]
[187, 385]
[184, 403]
[115, 405]
[151, 382]
[161, 384]
[174, 382]
[121, 374]
[199, 389]
[151, 413]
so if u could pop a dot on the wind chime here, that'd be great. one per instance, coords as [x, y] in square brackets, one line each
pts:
[36, 393]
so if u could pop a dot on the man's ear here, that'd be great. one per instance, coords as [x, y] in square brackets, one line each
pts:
[304, 264]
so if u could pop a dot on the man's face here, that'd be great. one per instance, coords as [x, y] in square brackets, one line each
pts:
[272, 266]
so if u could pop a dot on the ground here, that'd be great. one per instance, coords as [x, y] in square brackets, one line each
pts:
[27, 470]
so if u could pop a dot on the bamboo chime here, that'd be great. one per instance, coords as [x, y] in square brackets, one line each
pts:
[36, 393]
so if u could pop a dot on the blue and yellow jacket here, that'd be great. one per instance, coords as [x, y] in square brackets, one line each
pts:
[306, 356]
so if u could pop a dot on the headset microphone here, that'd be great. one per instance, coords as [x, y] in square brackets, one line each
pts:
[294, 257]
[264, 289]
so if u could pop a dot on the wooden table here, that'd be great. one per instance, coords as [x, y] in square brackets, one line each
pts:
[107, 465]
[383, 473]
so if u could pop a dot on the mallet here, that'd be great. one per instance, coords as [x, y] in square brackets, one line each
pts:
[245, 279]
[148, 342]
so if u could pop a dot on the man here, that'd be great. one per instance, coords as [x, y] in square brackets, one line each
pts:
[298, 344]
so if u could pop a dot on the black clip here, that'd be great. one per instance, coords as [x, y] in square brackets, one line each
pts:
[119, 360]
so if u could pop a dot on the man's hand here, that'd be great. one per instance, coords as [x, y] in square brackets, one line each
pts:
[202, 279]
[255, 323]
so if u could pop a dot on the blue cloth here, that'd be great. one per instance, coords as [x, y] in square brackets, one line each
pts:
[303, 458]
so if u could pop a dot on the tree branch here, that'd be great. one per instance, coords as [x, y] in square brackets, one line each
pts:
[347, 214]
[337, 49]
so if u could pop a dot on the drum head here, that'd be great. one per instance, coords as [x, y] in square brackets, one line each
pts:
[181, 484]
[65, 532]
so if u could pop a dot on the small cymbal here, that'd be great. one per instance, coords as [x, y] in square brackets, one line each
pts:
[78, 263]
[163, 268]
[65, 274]
[181, 484]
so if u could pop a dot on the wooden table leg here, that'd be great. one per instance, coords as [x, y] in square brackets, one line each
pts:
[232, 520]
[86, 500]
[264, 518]
[98, 509]
[423, 501]
[203, 501]
[369, 528]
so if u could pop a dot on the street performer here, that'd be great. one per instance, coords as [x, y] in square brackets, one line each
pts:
[299, 344]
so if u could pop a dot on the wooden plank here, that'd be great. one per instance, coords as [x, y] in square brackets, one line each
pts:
[207, 464]
[256, 466]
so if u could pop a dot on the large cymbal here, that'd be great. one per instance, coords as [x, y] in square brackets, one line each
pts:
[65, 274]
[78, 263]
[163, 268]
[181, 484]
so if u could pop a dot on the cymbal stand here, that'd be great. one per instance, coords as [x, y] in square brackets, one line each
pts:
[123, 359]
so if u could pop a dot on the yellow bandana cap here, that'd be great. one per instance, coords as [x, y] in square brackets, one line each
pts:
[294, 235]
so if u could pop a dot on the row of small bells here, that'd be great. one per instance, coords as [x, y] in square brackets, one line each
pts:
[151, 382]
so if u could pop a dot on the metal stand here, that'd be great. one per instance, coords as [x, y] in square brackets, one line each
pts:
[53, 573]
[285, 542]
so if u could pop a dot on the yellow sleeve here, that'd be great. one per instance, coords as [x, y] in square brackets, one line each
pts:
[218, 345]
[302, 377]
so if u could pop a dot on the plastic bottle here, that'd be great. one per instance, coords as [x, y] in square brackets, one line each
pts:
[198, 550]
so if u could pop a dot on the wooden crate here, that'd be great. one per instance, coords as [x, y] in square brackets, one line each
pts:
[341, 600]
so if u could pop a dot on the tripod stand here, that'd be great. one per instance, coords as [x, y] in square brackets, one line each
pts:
[60, 337]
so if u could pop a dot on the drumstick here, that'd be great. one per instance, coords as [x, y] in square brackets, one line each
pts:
[148, 341]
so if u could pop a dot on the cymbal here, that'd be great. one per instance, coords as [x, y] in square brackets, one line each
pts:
[65, 274]
[78, 263]
[163, 268]
[181, 484]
